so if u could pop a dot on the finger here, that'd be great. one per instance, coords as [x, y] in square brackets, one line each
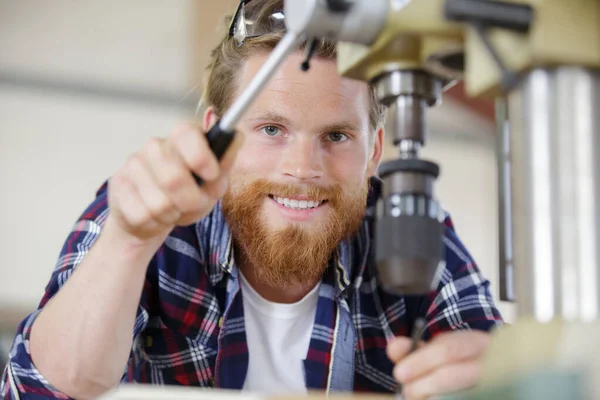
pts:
[129, 204]
[156, 201]
[170, 172]
[191, 143]
[445, 380]
[213, 191]
[399, 348]
[447, 348]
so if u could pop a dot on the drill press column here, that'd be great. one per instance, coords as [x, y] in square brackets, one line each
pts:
[555, 135]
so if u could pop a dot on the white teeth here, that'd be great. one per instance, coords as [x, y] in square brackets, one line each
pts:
[297, 204]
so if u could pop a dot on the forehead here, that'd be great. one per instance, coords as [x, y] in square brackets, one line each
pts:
[318, 90]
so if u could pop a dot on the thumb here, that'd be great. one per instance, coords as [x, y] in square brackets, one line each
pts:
[398, 348]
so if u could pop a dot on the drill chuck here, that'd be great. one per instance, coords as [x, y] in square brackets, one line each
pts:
[409, 245]
[409, 228]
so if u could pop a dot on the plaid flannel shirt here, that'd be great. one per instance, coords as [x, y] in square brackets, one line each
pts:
[190, 321]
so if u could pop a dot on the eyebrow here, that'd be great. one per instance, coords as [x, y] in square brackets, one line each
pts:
[280, 119]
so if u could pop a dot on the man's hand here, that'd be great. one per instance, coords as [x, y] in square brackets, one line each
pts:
[155, 190]
[451, 362]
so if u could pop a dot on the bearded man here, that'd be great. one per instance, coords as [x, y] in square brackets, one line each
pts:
[261, 279]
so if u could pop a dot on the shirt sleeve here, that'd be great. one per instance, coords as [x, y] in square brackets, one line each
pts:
[21, 379]
[463, 299]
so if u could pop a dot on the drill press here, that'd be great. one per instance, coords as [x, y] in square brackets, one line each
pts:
[543, 56]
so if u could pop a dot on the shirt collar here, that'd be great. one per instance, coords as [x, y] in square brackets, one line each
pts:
[350, 257]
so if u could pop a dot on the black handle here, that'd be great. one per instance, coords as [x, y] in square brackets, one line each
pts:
[311, 49]
[218, 141]
[339, 5]
[491, 14]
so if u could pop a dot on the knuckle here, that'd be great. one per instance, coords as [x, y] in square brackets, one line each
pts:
[198, 162]
[119, 180]
[200, 157]
[183, 128]
[135, 214]
[153, 146]
[174, 179]
[134, 163]
[162, 206]
[183, 132]
[138, 218]
[162, 214]
[194, 149]
[177, 135]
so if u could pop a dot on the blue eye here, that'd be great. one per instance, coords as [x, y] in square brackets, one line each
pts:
[271, 130]
[337, 137]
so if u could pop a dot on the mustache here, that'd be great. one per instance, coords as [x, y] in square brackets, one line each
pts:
[330, 193]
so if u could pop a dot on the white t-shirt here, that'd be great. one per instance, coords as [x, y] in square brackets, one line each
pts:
[278, 336]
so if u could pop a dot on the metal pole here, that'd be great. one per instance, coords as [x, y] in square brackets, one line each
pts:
[286, 46]
[505, 251]
[555, 148]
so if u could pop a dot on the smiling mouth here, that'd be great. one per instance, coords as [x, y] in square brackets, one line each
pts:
[296, 204]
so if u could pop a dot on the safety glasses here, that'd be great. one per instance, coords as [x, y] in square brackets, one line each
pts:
[255, 18]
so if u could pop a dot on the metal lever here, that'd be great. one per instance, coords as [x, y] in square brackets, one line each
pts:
[311, 48]
[491, 14]
[482, 15]
[339, 5]
[222, 133]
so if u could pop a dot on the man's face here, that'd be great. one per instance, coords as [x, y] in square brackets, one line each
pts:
[299, 183]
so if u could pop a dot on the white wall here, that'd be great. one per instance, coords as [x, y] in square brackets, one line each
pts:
[136, 43]
[58, 145]
[54, 154]
[82, 85]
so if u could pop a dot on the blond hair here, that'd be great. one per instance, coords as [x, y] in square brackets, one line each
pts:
[227, 60]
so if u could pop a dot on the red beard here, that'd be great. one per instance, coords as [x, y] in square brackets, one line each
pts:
[295, 254]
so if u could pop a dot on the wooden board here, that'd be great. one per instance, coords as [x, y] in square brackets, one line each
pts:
[149, 392]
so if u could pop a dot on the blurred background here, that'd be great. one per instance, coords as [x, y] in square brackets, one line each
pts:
[84, 84]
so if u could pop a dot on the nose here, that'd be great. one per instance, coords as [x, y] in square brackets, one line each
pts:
[302, 159]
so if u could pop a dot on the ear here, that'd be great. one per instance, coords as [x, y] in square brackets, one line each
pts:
[377, 152]
[210, 118]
